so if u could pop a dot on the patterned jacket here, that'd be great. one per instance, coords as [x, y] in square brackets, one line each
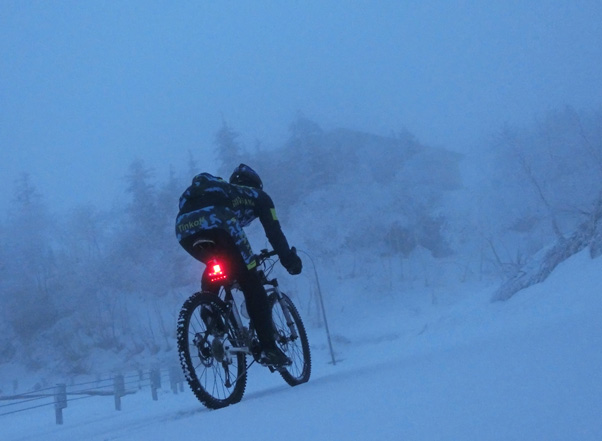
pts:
[210, 202]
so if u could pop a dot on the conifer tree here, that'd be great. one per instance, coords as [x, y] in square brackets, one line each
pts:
[228, 149]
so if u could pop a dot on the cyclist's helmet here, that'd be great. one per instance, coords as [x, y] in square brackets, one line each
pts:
[245, 175]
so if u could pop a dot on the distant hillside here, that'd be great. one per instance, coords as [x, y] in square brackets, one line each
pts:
[359, 190]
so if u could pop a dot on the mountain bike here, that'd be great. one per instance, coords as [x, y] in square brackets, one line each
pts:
[215, 336]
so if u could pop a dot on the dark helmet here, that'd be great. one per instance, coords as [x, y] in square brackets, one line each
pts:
[245, 175]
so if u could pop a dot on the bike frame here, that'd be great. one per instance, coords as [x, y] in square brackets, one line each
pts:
[272, 288]
[213, 347]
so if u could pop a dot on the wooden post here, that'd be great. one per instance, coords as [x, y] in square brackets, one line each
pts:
[155, 379]
[118, 390]
[174, 378]
[60, 401]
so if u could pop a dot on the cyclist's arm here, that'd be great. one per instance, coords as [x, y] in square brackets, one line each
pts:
[271, 225]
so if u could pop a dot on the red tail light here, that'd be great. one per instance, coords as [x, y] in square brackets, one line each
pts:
[215, 271]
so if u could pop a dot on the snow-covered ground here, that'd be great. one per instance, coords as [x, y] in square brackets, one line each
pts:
[526, 369]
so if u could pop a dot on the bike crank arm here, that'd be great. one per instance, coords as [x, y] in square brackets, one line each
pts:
[234, 350]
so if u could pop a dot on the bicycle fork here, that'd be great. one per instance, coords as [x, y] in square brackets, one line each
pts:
[285, 310]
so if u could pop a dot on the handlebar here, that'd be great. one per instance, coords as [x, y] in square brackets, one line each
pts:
[265, 254]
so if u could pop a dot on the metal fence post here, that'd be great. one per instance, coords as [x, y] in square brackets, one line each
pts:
[60, 401]
[118, 390]
[334, 362]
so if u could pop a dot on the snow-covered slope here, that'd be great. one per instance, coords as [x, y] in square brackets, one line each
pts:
[525, 369]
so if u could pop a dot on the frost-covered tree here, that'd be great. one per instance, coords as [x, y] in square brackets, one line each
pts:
[176, 262]
[7, 337]
[229, 151]
[544, 192]
[360, 191]
[544, 180]
[29, 289]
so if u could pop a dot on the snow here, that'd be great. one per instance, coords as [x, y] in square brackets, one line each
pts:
[460, 369]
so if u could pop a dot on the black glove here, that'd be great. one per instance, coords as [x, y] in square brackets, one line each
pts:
[292, 262]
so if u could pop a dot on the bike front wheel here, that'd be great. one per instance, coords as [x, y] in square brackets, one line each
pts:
[206, 331]
[292, 340]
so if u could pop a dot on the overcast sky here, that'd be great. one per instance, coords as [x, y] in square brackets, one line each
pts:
[88, 86]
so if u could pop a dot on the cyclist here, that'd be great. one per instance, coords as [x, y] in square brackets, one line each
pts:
[215, 210]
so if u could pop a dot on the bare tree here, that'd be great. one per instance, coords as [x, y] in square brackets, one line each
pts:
[562, 167]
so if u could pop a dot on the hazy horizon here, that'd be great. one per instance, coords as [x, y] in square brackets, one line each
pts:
[88, 87]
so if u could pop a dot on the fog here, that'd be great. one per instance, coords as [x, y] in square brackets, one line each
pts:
[87, 87]
[440, 163]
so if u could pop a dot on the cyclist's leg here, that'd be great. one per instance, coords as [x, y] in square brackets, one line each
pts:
[242, 265]
[220, 225]
[256, 297]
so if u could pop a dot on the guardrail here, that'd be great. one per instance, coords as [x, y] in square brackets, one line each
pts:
[118, 386]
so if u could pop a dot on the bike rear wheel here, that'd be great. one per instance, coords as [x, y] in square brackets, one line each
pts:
[217, 377]
[292, 340]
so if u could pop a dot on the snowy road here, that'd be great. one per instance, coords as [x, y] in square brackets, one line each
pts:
[528, 369]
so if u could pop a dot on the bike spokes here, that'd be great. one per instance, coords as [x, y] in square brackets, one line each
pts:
[217, 377]
[292, 339]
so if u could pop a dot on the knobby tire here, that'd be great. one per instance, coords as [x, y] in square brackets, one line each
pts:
[205, 374]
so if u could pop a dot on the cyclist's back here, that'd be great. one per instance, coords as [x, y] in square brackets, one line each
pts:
[214, 209]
